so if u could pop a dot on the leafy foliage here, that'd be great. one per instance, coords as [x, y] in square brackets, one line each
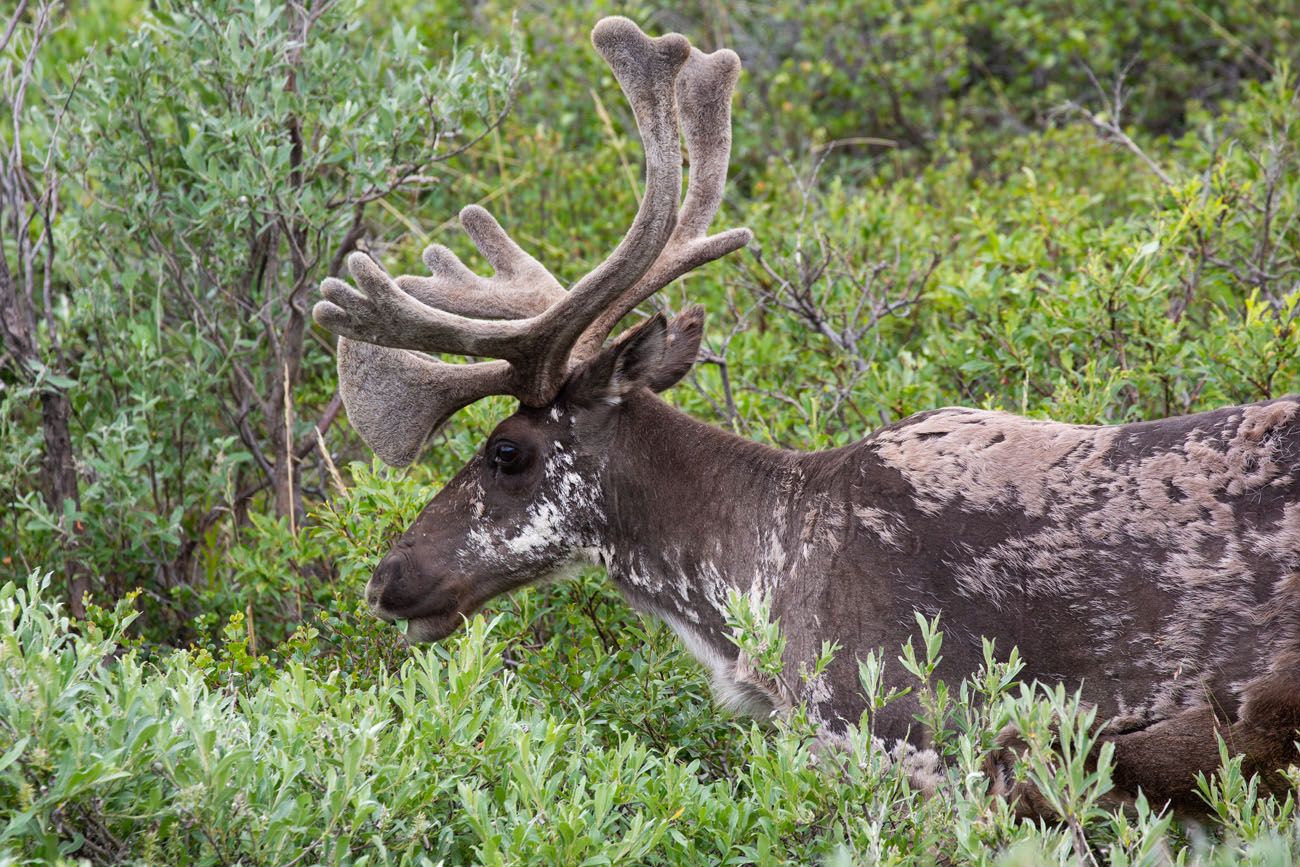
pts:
[458, 753]
[952, 205]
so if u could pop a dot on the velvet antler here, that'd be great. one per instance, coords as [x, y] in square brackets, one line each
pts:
[521, 316]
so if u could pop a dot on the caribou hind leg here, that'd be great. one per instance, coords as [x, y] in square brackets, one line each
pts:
[1270, 726]
[1163, 759]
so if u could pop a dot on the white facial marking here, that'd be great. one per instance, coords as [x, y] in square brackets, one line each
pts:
[548, 524]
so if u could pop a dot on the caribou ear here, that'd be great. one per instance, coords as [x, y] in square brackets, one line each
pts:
[655, 354]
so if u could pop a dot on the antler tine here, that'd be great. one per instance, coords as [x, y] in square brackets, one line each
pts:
[520, 288]
[647, 70]
[385, 315]
[395, 398]
[704, 101]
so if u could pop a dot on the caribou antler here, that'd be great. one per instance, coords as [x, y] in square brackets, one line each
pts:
[521, 315]
[704, 103]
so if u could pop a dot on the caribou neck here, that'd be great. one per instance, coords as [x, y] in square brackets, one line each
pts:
[695, 512]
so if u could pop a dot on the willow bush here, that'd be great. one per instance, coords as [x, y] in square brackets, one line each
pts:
[953, 203]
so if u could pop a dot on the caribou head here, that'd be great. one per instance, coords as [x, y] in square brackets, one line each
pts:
[534, 498]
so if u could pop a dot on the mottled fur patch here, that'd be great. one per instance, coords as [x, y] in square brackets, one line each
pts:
[1096, 507]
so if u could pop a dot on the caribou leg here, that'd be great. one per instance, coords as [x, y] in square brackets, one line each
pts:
[1163, 759]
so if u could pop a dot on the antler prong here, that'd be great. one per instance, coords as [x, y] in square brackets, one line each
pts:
[384, 314]
[704, 102]
[397, 399]
[520, 287]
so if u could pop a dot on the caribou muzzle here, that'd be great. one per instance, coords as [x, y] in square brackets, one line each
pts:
[399, 590]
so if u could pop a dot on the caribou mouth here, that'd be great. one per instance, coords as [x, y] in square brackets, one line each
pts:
[430, 626]
[427, 623]
[415, 612]
[428, 630]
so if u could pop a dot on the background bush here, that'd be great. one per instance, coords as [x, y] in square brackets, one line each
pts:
[1082, 212]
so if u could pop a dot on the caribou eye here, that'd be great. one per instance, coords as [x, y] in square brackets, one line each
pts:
[507, 457]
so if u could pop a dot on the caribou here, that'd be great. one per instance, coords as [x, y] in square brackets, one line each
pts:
[1152, 566]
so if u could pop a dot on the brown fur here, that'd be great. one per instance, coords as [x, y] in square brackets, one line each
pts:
[1164, 759]
[1140, 564]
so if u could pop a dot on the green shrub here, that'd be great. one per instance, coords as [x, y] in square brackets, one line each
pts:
[459, 753]
[962, 243]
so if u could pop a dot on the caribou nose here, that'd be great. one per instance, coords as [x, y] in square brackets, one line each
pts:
[387, 572]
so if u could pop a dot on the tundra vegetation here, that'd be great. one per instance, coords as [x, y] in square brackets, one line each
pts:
[1088, 214]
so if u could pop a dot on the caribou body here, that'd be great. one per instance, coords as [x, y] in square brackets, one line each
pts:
[1154, 566]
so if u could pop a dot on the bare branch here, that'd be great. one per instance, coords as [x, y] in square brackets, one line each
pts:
[1109, 122]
